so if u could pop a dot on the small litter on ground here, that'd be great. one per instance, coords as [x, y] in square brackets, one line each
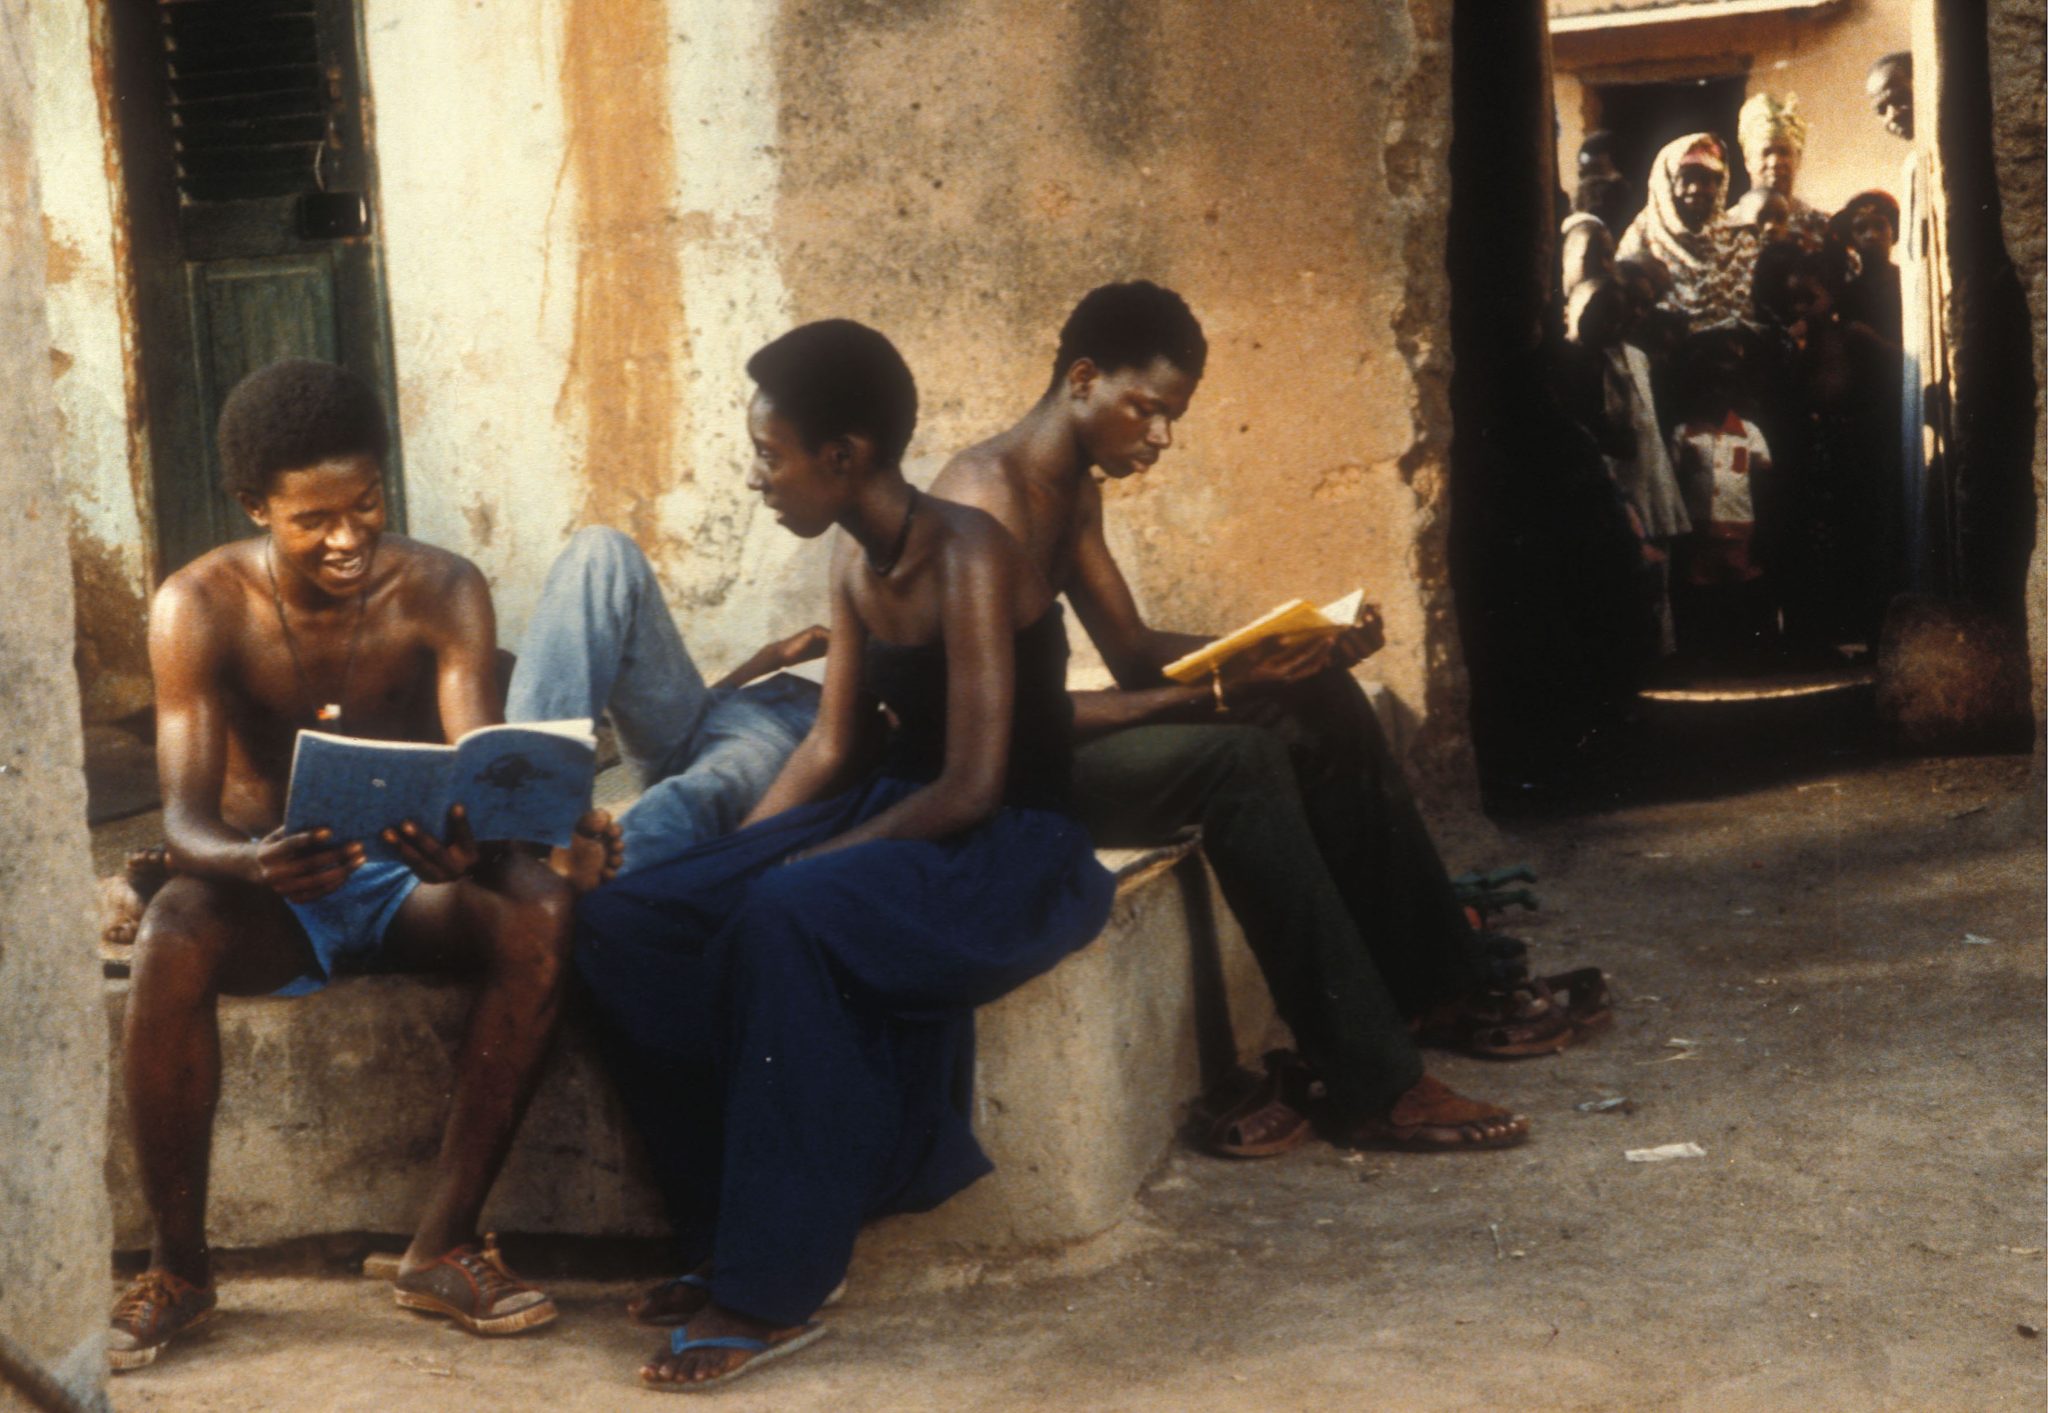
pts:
[1971, 939]
[1606, 1106]
[1664, 1153]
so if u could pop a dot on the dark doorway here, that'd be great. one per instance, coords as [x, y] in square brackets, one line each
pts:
[1645, 116]
[252, 207]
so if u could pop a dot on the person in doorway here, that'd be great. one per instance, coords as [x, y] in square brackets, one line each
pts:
[1726, 614]
[1868, 224]
[1830, 451]
[1599, 204]
[1683, 226]
[1773, 140]
[1305, 818]
[326, 620]
[1889, 85]
[788, 1011]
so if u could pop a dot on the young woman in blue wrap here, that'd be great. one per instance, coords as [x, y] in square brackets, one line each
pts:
[788, 1011]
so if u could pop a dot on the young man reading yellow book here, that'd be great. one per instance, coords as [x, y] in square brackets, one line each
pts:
[326, 620]
[1304, 816]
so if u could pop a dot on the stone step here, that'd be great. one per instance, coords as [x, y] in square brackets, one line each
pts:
[332, 1104]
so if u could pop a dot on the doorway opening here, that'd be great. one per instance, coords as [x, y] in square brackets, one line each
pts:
[1580, 695]
[1643, 116]
[252, 207]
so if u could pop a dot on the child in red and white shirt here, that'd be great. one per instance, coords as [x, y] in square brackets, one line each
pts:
[1721, 457]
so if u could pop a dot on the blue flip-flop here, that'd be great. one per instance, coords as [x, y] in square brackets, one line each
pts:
[760, 1351]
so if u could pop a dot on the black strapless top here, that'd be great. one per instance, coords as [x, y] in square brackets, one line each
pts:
[911, 681]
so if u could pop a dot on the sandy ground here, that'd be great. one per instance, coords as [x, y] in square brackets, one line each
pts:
[1866, 1229]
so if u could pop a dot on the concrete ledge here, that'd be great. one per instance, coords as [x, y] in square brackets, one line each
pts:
[332, 1105]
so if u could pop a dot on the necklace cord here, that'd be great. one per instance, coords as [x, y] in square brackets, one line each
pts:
[883, 570]
[348, 669]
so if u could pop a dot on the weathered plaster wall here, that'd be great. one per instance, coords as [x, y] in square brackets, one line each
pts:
[576, 237]
[960, 174]
[592, 210]
[2019, 116]
[102, 458]
[54, 1223]
[1822, 58]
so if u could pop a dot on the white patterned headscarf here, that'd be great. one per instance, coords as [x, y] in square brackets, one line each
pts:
[1710, 267]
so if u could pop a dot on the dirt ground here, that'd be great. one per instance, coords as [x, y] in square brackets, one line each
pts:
[1834, 987]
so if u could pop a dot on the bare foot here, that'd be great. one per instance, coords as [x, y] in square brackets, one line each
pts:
[593, 856]
[1431, 1118]
[718, 1323]
[123, 899]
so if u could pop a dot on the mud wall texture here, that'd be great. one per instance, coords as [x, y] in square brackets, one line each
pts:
[1821, 57]
[102, 454]
[54, 1222]
[591, 211]
[960, 174]
[2019, 115]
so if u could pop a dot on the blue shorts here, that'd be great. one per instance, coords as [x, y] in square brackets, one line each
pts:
[346, 928]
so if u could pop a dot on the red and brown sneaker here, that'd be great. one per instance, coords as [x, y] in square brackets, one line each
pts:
[156, 1308]
[474, 1287]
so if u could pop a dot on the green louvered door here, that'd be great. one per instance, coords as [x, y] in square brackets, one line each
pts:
[252, 208]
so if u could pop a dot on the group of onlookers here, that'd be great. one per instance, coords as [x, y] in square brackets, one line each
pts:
[1739, 368]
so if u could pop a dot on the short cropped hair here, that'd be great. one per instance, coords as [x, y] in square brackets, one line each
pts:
[1881, 202]
[1897, 59]
[834, 378]
[294, 414]
[1128, 326]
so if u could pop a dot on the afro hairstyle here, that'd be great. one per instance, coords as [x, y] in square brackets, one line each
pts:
[834, 378]
[1128, 326]
[294, 414]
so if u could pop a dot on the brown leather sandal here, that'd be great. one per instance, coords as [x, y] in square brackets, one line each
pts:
[1511, 1024]
[1270, 1119]
[1586, 999]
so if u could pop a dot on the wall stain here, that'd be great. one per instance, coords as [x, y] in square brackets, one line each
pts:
[1115, 73]
[629, 329]
[62, 259]
[112, 616]
[141, 484]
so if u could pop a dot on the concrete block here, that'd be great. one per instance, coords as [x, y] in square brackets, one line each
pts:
[332, 1105]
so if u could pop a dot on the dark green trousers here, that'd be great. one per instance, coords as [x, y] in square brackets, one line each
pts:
[1323, 858]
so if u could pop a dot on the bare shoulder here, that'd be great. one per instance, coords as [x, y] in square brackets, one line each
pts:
[439, 593]
[981, 476]
[977, 543]
[420, 566]
[210, 592]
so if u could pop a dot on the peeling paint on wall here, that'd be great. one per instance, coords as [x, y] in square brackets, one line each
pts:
[113, 630]
[102, 457]
[628, 330]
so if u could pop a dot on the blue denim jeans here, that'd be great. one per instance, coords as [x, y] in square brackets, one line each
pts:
[602, 641]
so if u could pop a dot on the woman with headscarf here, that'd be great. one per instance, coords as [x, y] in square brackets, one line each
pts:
[1683, 225]
[1773, 138]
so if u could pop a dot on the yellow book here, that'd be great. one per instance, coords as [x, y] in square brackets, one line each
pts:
[1296, 621]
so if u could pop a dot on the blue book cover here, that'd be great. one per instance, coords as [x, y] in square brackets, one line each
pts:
[529, 781]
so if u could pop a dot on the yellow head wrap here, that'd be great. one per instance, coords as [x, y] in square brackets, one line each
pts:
[1765, 118]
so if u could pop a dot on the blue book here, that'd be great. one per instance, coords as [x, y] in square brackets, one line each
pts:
[529, 781]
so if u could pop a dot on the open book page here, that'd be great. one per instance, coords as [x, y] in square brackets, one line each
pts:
[1293, 620]
[529, 781]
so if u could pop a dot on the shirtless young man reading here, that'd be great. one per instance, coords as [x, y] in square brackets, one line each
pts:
[1305, 817]
[326, 621]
